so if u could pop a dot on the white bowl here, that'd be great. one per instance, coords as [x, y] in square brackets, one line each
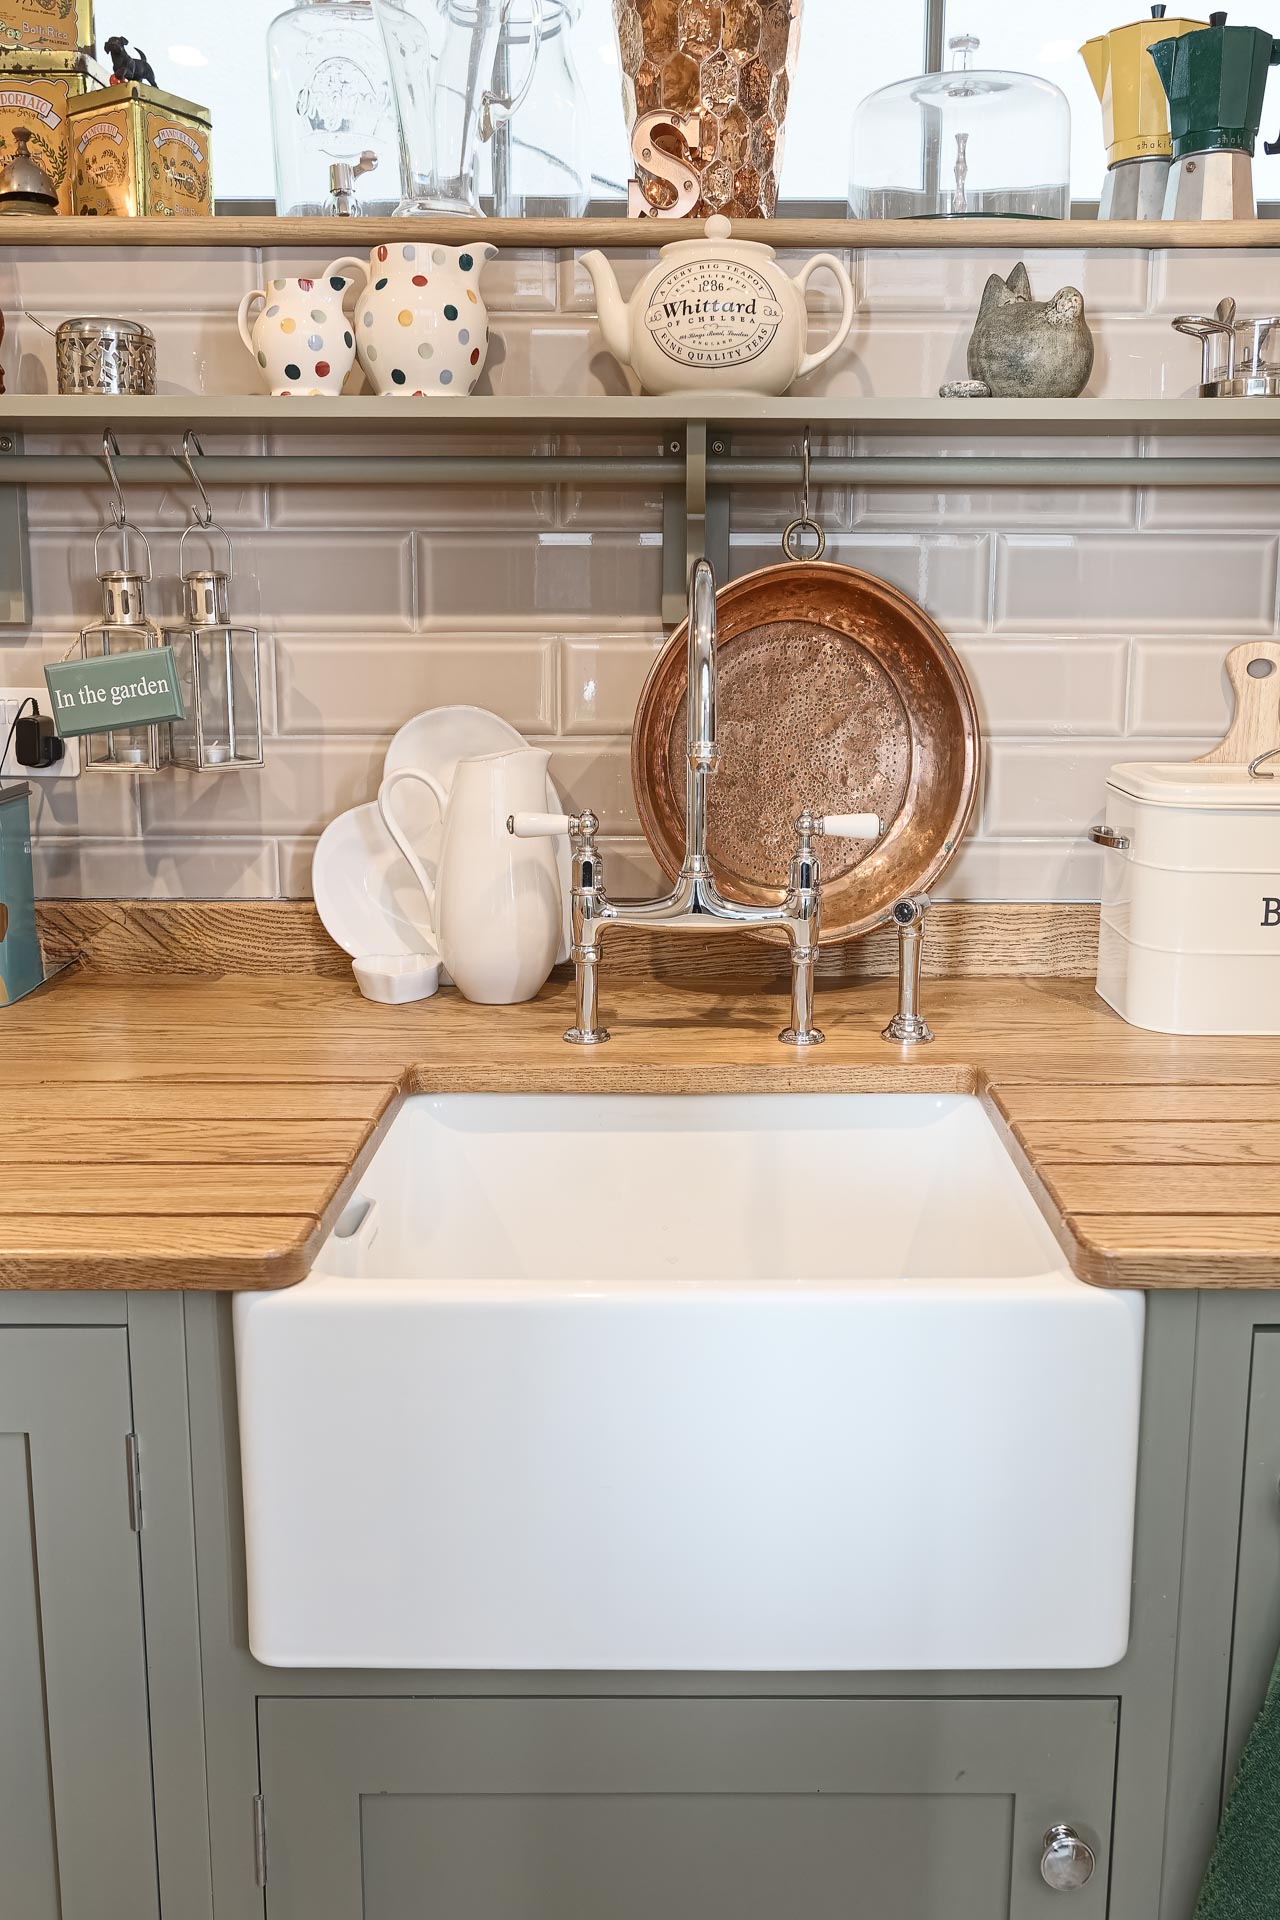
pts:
[395, 978]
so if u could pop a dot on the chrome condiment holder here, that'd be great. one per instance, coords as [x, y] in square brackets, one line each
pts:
[1250, 367]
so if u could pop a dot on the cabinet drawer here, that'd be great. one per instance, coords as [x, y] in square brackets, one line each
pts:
[620, 1809]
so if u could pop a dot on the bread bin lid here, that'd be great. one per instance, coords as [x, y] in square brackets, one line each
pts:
[1187, 783]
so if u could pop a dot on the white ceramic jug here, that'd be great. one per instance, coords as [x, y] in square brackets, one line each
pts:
[495, 903]
[421, 328]
[302, 340]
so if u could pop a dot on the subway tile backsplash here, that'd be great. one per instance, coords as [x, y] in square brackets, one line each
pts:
[1092, 622]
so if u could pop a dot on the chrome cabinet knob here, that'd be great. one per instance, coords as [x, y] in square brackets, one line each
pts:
[1067, 1861]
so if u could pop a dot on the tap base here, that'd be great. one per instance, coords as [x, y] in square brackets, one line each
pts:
[909, 1030]
[811, 1037]
[587, 1037]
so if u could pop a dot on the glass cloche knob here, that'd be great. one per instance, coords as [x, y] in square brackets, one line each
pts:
[1067, 1861]
[962, 45]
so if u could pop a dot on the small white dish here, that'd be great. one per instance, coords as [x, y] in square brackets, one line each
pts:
[365, 891]
[433, 743]
[396, 978]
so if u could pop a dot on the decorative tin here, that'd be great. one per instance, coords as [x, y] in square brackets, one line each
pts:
[46, 26]
[139, 150]
[36, 91]
[21, 968]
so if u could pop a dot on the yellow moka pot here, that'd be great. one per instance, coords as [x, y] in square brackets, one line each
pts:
[1135, 115]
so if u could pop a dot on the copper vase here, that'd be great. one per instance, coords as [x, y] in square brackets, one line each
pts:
[731, 61]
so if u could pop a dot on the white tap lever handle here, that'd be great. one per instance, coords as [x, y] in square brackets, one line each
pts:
[851, 826]
[539, 826]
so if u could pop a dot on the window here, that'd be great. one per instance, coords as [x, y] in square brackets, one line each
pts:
[848, 48]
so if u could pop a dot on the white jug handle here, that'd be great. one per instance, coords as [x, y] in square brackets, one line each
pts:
[398, 834]
[837, 266]
[242, 317]
[495, 106]
[335, 267]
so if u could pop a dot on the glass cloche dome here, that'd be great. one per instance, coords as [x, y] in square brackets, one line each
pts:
[970, 142]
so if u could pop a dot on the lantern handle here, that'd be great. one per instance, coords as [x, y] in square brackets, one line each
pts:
[119, 511]
[125, 528]
[191, 440]
[210, 527]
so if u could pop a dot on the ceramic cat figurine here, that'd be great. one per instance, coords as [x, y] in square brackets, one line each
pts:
[1028, 349]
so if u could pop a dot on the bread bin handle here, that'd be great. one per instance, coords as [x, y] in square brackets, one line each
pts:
[1108, 837]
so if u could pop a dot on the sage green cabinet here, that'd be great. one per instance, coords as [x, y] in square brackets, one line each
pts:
[570, 1809]
[1256, 1638]
[77, 1834]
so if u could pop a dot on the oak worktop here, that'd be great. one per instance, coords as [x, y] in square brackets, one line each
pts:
[206, 1132]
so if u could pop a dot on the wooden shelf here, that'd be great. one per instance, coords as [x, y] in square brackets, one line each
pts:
[260, 413]
[28, 230]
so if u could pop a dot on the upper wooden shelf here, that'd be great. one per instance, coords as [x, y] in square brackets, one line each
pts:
[269, 231]
[567, 413]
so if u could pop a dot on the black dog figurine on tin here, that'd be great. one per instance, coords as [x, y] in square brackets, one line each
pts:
[126, 65]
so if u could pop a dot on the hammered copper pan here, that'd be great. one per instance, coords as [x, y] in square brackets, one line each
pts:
[835, 692]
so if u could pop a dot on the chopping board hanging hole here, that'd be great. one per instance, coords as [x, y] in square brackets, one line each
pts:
[1254, 672]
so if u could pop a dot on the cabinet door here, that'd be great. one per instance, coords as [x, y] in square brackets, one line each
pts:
[77, 1838]
[622, 1809]
[1256, 1641]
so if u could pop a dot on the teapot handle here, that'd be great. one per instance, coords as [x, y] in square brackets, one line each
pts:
[348, 260]
[842, 280]
[397, 832]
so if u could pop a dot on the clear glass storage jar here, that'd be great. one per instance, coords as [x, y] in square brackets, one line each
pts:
[331, 101]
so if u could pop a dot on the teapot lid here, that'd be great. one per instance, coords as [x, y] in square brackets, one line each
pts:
[718, 230]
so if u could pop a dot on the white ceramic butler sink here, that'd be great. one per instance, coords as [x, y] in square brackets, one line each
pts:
[737, 1382]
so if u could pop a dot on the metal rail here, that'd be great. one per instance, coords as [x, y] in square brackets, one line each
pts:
[942, 472]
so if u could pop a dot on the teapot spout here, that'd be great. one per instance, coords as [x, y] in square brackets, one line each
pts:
[1164, 53]
[615, 317]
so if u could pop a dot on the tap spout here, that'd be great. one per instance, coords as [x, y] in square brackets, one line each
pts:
[703, 747]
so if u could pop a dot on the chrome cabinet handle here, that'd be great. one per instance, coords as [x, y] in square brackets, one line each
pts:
[1067, 1861]
[1108, 837]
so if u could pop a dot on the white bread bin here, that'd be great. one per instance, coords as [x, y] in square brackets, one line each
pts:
[1189, 940]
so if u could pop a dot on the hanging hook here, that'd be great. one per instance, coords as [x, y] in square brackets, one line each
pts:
[110, 445]
[806, 523]
[190, 440]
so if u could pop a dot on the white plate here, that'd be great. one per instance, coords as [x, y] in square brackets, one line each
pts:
[434, 742]
[365, 891]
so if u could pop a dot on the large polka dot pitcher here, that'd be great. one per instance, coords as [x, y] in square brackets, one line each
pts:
[421, 325]
[302, 340]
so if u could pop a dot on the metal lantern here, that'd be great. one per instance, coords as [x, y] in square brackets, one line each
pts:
[218, 671]
[123, 628]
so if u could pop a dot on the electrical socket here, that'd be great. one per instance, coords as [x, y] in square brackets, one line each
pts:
[68, 768]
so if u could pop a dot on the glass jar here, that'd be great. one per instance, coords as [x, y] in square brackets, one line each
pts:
[331, 101]
[451, 81]
[974, 141]
[539, 166]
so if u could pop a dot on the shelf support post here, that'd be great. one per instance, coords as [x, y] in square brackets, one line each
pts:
[15, 549]
[695, 522]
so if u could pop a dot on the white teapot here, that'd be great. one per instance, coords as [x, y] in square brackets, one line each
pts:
[716, 313]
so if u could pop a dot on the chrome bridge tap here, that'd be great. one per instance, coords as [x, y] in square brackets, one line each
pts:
[695, 904]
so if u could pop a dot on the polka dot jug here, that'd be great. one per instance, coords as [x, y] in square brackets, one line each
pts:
[421, 325]
[301, 339]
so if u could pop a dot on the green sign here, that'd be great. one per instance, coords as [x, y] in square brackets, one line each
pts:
[117, 690]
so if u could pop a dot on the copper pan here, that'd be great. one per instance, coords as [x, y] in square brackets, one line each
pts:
[835, 692]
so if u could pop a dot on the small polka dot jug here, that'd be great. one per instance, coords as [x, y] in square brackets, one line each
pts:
[421, 325]
[301, 339]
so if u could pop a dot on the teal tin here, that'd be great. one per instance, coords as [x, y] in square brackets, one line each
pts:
[21, 967]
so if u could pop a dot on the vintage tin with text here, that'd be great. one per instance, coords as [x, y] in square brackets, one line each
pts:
[139, 150]
[46, 26]
[36, 91]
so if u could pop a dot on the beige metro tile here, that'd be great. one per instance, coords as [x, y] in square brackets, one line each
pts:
[156, 869]
[303, 784]
[481, 582]
[1135, 582]
[1180, 689]
[600, 682]
[373, 685]
[1049, 687]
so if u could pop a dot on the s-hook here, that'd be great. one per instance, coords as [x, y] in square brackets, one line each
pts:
[124, 526]
[806, 523]
[191, 440]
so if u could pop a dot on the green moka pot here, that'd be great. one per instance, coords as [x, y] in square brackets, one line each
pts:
[21, 968]
[1215, 80]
